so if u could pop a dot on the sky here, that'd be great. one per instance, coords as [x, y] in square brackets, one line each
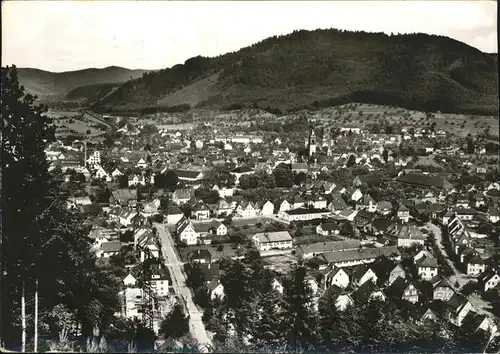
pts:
[71, 35]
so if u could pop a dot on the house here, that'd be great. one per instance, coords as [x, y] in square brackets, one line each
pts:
[349, 214]
[151, 208]
[366, 292]
[267, 209]
[410, 293]
[181, 196]
[307, 251]
[335, 276]
[384, 207]
[362, 273]
[134, 180]
[353, 194]
[246, 209]
[129, 281]
[298, 202]
[108, 249]
[489, 280]
[200, 256]
[317, 202]
[173, 215]
[211, 271]
[328, 228]
[133, 298]
[186, 232]
[75, 202]
[272, 240]
[284, 205]
[160, 280]
[94, 158]
[441, 289]
[218, 228]
[299, 167]
[368, 203]
[223, 192]
[427, 267]
[408, 235]
[475, 266]
[427, 315]
[302, 214]
[397, 272]
[141, 163]
[337, 204]
[493, 215]
[350, 258]
[465, 214]
[200, 211]
[123, 197]
[277, 286]
[116, 173]
[189, 176]
[223, 208]
[126, 216]
[458, 307]
[149, 246]
[341, 297]
[481, 322]
[403, 213]
[215, 289]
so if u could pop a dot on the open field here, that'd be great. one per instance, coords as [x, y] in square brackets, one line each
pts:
[363, 115]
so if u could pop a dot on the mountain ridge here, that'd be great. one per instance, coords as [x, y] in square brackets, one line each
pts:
[51, 86]
[311, 69]
[322, 67]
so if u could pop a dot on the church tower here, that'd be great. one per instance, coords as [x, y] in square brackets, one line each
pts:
[312, 143]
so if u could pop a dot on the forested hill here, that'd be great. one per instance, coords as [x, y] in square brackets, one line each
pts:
[325, 67]
[56, 85]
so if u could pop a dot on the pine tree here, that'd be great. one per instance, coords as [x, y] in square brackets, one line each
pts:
[42, 239]
[238, 299]
[267, 328]
[300, 322]
[176, 324]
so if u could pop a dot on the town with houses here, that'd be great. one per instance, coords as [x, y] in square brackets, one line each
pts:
[406, 212]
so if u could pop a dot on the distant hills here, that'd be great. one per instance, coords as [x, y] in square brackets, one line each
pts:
[308, 69]
[50, 86]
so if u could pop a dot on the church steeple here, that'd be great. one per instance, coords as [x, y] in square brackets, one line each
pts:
[312, 143]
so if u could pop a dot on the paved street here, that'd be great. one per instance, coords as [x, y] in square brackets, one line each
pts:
[476, 301]
[457, 277]
[179, 283]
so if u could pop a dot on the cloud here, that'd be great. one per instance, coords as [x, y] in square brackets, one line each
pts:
[67, 35]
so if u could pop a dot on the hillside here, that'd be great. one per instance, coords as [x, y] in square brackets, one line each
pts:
[322, 68]
[55, 86]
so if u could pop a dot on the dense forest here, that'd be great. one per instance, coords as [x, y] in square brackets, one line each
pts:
[327, 67]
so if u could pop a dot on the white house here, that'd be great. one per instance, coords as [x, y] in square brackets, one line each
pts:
[285, 205]
[276, 285]
[129, 281]
[187, 233]
[267, 208]
[174, 215]
[94, 159]
[141, 163]
[338, 277]
[116, 173]
[273, 240]
[215, 289]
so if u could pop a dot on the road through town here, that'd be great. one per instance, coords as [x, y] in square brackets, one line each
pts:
[196, 325]
[476, 301]
[457, 277]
